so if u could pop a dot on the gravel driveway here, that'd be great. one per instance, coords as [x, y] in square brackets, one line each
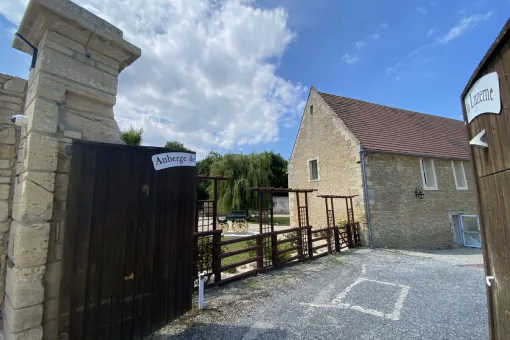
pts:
[362, 294]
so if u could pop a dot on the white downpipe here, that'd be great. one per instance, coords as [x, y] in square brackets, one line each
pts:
[201, 290]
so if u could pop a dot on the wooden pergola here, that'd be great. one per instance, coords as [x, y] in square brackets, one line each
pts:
[266, 214]
[330, 210]
[202, 222]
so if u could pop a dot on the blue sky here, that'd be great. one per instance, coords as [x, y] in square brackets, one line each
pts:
[416, 55]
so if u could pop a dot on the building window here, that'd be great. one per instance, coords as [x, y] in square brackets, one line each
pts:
[313, 166]
[459, 175]
[311, 109]
[428, 174]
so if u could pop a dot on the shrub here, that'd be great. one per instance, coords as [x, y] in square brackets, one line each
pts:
[204, 254]
[132, 136]
[293, 234]
[341, 222]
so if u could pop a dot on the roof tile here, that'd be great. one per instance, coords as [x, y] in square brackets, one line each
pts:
[387, 129]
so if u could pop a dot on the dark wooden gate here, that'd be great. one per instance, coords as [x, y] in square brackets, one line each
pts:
[492, 169]
[127, 245]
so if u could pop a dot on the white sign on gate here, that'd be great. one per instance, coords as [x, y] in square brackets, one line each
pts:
[173, 159]
[483, 97]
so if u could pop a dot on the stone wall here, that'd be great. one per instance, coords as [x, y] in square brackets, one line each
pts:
[281, 204]
[399, 218]
[71, 93]
[12, 97]
[323, 136]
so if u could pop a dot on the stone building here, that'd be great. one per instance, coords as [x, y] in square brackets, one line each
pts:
[411, 172]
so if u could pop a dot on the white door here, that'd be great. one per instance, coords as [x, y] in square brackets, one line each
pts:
[471, 231]
[457, 228]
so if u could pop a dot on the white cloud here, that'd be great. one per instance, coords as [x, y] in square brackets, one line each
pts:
[13, 10]
[393, 68]
[420, 49]
[385, 25]
[463, 26]
[350, 59]
[207, 73]
[422, 10]
[361, 44]
[430, 32]
[374, 36]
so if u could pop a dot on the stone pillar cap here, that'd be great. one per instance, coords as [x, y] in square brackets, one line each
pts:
[75, 22]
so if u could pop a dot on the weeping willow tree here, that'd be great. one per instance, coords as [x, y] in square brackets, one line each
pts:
[246, 171]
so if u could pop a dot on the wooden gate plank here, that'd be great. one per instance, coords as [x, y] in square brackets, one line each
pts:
[173, 187]
[178, 235]
[133, 234]
[186, 237]
[108, 271]
[141, 190]
[148, 258]
[79, 281]
[121, 160]
[166, 229]
[156, 258]
[73, 205]
[96, 245]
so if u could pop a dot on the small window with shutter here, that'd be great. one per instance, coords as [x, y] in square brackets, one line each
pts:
[459, 175]
[428, 174]
[313, 166]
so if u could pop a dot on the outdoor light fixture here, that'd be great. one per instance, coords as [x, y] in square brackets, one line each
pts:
[419, 192]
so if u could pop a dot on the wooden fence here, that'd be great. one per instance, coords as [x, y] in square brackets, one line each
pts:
[220, 258]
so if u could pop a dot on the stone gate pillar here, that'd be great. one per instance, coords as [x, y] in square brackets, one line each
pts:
[71, 93]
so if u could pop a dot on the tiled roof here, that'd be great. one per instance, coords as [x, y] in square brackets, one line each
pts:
[388, 129]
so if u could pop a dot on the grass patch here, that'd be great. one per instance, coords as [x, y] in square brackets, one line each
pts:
[278, 220]
[245, 256]
[252, 284]
[236, 258]
[282, 220]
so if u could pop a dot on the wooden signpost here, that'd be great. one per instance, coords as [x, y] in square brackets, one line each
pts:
[486, 107]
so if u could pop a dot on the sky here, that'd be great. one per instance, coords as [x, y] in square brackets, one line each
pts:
[234, 75]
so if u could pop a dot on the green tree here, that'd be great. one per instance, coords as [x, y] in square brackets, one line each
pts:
[246, 171]
[204, 168]
[176, 146]
[132, 136]
[278, 177]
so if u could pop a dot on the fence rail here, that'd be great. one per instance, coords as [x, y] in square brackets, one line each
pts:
[220, 258]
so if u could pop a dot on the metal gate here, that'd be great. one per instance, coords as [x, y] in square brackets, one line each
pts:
[127, 245]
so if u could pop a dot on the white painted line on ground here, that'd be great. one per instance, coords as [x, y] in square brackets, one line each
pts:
[340, 296]
[338, 304]
[399, 304]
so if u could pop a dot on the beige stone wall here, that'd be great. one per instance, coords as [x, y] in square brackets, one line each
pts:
[71, 93]
[322, 135]
[12, 97]
[399, 218]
